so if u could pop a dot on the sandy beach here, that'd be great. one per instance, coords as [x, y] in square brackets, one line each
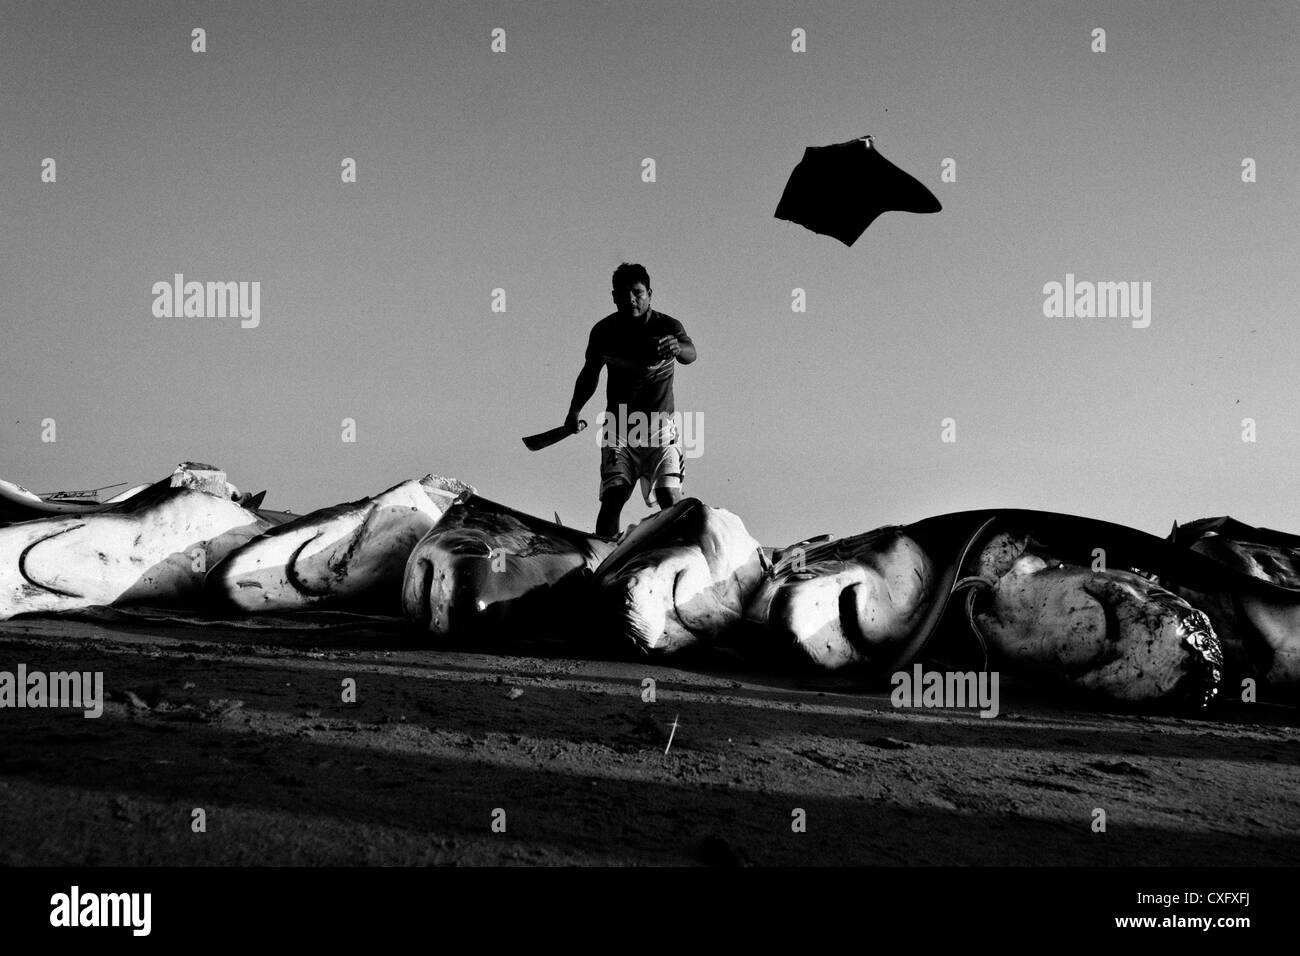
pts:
[539, 758]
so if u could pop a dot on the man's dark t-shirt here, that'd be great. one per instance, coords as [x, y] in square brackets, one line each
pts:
[637, 377]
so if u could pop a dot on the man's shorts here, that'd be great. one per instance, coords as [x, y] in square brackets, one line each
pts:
[659, 464]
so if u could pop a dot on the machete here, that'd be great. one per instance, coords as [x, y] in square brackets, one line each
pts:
[539, 441]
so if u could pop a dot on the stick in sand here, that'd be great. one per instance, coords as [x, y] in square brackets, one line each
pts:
[671, 735]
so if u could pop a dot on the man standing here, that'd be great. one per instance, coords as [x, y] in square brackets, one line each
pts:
[639, 437]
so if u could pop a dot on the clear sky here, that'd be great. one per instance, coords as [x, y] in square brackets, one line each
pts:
[522, 171]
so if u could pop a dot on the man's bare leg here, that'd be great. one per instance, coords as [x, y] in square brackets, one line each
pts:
[667, 497]
[611, 506]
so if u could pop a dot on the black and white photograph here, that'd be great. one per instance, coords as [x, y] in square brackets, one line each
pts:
[650, 436]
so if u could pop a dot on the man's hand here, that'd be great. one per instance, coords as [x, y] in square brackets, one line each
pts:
[668, 346]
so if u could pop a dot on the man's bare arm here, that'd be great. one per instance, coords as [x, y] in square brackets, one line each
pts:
[583, 389]
[687, 353]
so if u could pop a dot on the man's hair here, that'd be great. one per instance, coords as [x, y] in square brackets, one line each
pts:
[629, 274]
